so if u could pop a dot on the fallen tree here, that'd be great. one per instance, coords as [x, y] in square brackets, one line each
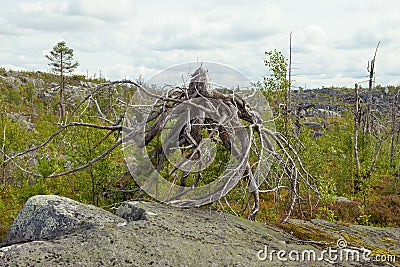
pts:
[174, 137]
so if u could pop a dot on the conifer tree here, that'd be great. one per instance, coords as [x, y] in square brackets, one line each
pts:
[62, 62]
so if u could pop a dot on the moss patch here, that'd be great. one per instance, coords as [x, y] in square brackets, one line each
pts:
[354, 240]
[391, 242]
[307, 232]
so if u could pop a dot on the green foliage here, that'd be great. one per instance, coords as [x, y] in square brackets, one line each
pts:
[324, 213]
[275, 88]
[62, 62]
[276, 85]
[364, 220]
[46, 165]
[21, 105]
[3, 71]
[327, 188]
[62, 59]
[328, 158]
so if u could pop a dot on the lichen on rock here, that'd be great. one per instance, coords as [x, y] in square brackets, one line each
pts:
[49, 216]
[89, 236]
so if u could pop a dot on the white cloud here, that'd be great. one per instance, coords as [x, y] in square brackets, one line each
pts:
[49, 16]
[332, 41]
[7, 28]
[117, 10]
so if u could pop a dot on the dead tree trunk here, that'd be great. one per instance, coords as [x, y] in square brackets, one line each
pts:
[371, 70]
[3, 167]
[394, 127]
[288, 96]
[357, 118]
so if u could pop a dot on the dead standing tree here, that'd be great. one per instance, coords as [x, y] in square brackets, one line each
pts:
[375, 132]
[197, 123]
[395, 131]
[357, 119]
[371, 70]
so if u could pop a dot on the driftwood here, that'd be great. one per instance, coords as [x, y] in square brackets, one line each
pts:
[171, 136]
[204, 118]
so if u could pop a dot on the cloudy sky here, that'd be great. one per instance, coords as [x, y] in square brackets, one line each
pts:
[332, 40]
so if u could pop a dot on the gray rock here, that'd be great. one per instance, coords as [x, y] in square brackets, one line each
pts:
[87, 84]
[130, 211]
[342, 199]
[317, 134]
[313, 125]
[11, 80]
[195, 237]
[54, 85]
[50, 216]
[329, 113]
[23, 120]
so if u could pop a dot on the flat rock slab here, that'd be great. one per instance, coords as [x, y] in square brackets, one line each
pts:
[172, 236]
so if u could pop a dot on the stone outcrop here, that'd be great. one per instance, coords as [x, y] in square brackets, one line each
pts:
[131, 211]
[48, 216]
[56, 231]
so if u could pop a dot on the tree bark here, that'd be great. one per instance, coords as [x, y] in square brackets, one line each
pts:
[355, 137]
[394, 130]
[3, 172]
[62, 88]
[371, 69]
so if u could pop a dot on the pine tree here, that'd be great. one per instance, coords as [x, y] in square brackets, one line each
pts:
[62, 62]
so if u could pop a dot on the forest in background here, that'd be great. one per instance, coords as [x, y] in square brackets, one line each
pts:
[320, 125]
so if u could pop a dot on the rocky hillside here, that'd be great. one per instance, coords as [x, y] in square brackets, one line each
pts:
[26, 92]
[339, 99]
[56, 231]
